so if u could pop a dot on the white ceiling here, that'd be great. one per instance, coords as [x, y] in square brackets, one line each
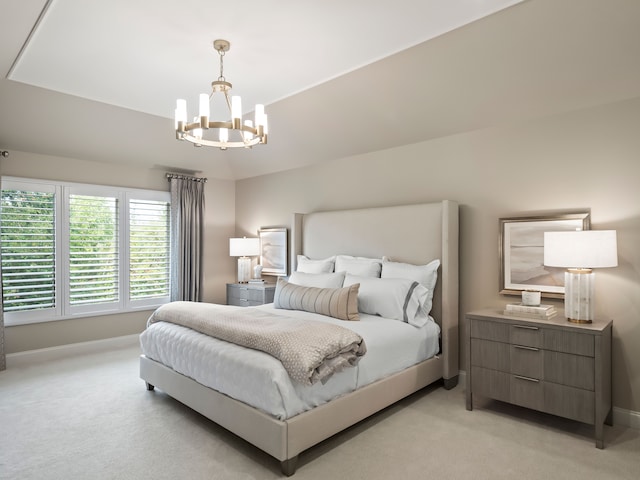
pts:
[143, 55]
[98, 80]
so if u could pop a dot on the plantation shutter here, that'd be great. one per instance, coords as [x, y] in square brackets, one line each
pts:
[149, 249]
[28, 250]
[93, 250]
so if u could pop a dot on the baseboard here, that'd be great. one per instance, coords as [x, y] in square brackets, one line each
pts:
[626, 418]
[30, 357]
[621, 416]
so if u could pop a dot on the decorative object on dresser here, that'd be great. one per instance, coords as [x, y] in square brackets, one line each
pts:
[541, 312]
[580, 252]
[243, 248]
[521, 251]
[552, 366]
[250, 294]
[273, 251]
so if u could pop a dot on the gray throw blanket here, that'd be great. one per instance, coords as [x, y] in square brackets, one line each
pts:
[310, 351]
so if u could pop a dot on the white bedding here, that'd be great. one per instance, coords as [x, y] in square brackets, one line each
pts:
[259, 380]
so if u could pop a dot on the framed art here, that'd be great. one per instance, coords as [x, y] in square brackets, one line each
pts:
[521, 250]
[273, 251]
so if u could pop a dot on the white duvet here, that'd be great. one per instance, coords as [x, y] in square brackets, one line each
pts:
[260, 380]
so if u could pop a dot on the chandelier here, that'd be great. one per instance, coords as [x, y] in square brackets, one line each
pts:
[230, 134]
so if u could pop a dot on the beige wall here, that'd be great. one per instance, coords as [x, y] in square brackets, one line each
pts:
[588, 159]
[219, 268]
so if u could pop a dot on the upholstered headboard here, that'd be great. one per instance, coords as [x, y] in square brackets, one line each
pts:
[413, 234]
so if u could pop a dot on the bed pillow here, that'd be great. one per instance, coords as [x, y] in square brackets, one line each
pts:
[395, 298]
[320, 280]
[360, 266]
[340, 303]
[426, 275]
[305, 264]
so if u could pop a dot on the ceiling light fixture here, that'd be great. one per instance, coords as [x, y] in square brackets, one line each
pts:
[247, 133]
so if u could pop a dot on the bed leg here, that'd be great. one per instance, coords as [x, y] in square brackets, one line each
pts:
[149, 386]
[450, 383]
[289, 466]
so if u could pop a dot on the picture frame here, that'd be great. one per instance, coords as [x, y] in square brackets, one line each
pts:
[521, 251]
[273, 251]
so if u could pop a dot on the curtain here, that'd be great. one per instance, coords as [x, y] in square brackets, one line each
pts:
[187, 221]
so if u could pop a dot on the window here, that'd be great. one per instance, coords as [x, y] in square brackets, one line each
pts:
[76, 250]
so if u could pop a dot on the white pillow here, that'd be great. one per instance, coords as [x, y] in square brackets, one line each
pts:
[426, 275]
[307, 265]
[320, 280]
[361, 266]
[395, 298]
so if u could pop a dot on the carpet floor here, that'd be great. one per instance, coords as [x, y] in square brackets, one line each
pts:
[89, 416]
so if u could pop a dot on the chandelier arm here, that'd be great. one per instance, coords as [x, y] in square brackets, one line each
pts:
[222, 145]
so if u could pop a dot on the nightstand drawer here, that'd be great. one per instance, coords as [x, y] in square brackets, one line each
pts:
[249, 295]
[244, 293]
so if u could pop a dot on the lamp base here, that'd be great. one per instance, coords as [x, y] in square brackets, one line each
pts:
[578, 295]
[244, 269]
[577, 320]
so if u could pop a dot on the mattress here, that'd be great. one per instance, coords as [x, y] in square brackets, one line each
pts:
[260, 380]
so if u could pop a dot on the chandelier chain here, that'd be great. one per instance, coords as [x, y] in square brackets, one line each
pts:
[221, 77]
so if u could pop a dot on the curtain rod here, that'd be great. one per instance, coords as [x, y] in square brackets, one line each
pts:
[185, 177]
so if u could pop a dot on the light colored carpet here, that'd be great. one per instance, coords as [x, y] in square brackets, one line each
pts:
[90, 417]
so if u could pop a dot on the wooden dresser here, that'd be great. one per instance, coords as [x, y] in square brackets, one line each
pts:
[553, 366]
[250, 294]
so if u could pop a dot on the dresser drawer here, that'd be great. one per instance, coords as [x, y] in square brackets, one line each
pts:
[526, 361]
[572, 370]
[498, 332]
[526, 392]
[488, 354]
[569, 342]
[491, 383]
[569, 402]
[527, 335]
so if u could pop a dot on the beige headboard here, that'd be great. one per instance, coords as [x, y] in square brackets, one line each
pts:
[408, 233]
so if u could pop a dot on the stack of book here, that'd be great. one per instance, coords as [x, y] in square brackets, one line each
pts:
[541, 312]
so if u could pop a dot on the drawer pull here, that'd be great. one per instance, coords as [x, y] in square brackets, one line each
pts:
[528, 379]
[533, 349]
[526, 327]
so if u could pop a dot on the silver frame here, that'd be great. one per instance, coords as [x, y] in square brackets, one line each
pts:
[536, 225]
[279, 235]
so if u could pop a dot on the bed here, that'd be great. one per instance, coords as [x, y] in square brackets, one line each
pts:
[413, 234]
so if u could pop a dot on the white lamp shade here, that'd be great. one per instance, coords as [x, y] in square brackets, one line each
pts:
[581, 249]
[244, 247]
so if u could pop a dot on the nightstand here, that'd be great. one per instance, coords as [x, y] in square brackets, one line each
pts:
[552, 365]
[250, 294]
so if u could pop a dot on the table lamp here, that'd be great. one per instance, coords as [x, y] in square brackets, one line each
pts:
[243, 248]
[580, 252]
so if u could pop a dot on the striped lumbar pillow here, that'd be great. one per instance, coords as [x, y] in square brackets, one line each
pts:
[341, 303]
